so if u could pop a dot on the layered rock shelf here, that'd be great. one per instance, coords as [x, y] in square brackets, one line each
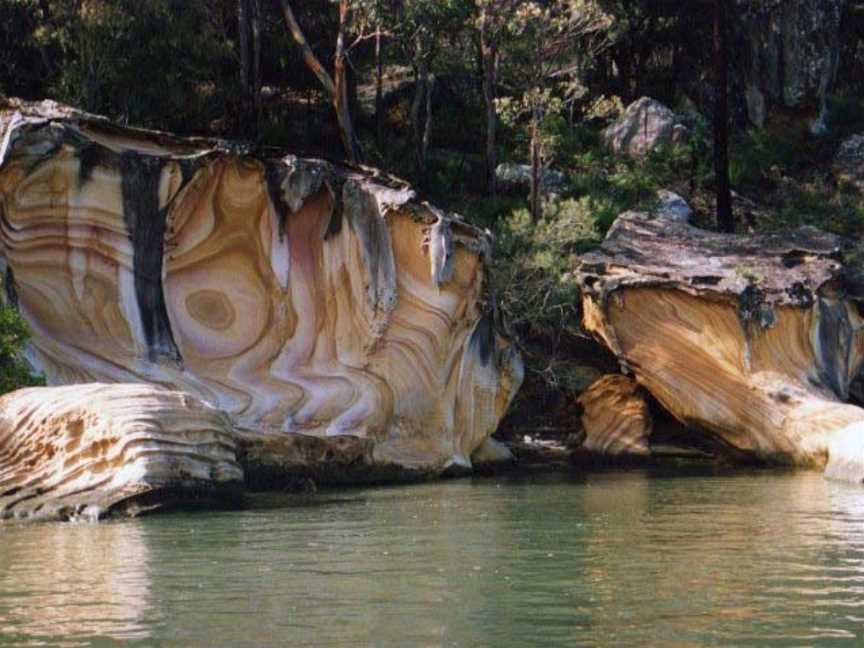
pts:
[302, 298]
[92, 451]
[749, 340]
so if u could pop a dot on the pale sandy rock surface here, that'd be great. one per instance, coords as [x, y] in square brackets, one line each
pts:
[97, 450]
[300, 297]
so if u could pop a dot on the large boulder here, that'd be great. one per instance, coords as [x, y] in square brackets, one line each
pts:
[849, 162]
[517, 177]
[644, 126]
[752, 340]
[300, 297]
[672, 206]
[790, 54]
[93, 451]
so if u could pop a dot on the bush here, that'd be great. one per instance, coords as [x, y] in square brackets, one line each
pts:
[14, 370]
[533, 281]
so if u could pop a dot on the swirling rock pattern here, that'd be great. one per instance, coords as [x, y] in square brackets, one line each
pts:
[91, 451]
[616, 417]
[752, 340]
[298, 296]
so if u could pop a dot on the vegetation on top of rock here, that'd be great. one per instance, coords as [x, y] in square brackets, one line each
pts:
[443, 92]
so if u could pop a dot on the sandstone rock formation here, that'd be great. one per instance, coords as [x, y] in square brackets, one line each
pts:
[751, 340]
[645, 125]
[790, 54]
[616, 418]
[300, 297]
[91, 451]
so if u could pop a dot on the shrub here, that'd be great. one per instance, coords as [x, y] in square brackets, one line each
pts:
[14, 370]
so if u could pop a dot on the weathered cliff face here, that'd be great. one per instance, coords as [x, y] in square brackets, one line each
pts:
[791, 52]
[91, 451]
[751, 340]
[298, 296]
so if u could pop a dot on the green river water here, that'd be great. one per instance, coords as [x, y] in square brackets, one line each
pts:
[632, 558]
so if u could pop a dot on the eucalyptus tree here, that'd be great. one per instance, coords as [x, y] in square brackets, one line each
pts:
[426, 32]
[555, 43]
[335, 85]
[494, 21]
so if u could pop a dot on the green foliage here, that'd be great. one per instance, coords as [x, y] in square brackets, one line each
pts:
[532, 282]
[150, 62]
[754, 155]
[846, 114]
[14, 371]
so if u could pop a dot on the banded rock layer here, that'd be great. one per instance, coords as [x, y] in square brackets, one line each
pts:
[751, 340]
[91, 451]
[616, 418]
[297, 296]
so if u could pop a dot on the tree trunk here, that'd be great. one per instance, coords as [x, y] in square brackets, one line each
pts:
[725, 221]
[379, 90]
[255, 19]
[421, 89]
[335, 86]
[243, 32]
[536, 167]
[489, 56]
[341, 102]
[427, 123]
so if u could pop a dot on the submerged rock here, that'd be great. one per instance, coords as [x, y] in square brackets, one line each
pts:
[93, 451]
[748, 339]
[645, 125]
[300, 297]
[491, 454]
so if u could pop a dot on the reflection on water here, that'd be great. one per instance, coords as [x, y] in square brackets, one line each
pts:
[65, 581]
[609, 559]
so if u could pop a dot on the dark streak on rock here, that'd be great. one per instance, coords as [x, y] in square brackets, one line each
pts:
[835, 342]
[145, 223]
[752, 309]
[334, 227]
[800, 295]
[92, 155]
[483, 339]
[188, 167]
[274, 176]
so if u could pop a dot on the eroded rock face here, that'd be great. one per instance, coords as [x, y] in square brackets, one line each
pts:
[792, 52]
[298, 296]
[91, 451]
[645, 125]
[750, 339]
[616, 418]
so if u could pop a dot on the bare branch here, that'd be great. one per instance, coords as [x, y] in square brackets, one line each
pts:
[308, 55]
